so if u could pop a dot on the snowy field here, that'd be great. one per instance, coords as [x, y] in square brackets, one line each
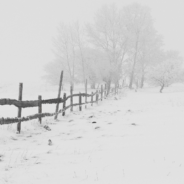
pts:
[137, 139]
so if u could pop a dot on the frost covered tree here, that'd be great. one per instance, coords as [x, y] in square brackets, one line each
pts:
[69, 47]
[139, 24]
[65, 51]
[120, 44]
[150, 54]
[167, 72]
[108, 34]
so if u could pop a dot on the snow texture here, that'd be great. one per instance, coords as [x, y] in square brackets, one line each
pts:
[135, 138]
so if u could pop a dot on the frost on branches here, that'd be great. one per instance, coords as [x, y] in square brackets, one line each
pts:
[165, 73]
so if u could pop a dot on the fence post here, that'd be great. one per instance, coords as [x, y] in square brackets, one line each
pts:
[96, 96]
[59, 93]
[19, 109]
[71, 99]
[91, 98]
[86, 91]
[40, 107]
[64, 103]
[80, 102]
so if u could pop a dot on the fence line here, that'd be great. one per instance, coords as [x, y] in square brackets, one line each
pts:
[99, 94]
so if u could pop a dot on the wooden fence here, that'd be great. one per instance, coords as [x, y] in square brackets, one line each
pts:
[99, 95]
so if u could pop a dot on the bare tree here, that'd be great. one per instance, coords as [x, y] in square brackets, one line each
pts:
[108, 35]
[167, 72]
[150, 54]
[81, 44]
[65, 50]
[138, 22]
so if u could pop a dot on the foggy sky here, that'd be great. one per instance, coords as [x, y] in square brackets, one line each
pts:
[27, 28]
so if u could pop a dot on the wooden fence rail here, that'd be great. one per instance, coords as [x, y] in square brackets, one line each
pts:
[40, 115]
[94, 98]
[35, 103]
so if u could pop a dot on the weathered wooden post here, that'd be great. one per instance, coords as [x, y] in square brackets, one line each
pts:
[40, 108]
[71, 98]
[96, 96]
[101, 92]
[19, 109]
[80, 102]
[86, 91]
[64, 103]
[91, 98]
[59, 93]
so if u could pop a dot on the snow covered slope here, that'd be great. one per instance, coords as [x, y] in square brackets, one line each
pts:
[137, 139]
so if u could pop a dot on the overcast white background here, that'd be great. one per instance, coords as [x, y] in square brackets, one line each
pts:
[27, 28]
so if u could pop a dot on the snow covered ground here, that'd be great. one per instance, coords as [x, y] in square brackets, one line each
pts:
[137, 139]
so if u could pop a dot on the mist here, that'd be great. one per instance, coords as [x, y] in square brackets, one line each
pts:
[27, 30]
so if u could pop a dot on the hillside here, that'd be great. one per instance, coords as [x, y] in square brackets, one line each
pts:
[133, 138]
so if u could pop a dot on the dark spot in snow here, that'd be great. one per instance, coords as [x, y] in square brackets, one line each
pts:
[91, 116]
[94, 122]
[134, 124]
[38, 163]
[97, 127]
[13, 138]
[50, 142]
[70, 120]
[79, 137]
[47, 127]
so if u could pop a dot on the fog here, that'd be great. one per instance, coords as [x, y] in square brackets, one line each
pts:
[27, 29]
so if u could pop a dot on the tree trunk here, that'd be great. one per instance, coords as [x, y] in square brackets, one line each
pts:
[93, 85]
[108, 86]
[137, 85]
[161, 89]
[135, 60]
[72, 84]
[132, 77]
[142, 81]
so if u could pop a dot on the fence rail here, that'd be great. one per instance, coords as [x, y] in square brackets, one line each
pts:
[99, 94]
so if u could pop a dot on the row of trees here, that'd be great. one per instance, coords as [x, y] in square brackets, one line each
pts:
[121, 45]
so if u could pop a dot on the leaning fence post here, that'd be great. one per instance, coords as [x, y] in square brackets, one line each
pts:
[19, 109]
[71, 98]
[91, 98]
[59, 93]
[64, 103]
[80, 102]
[86, 84]
[40, 108]
[97, 97]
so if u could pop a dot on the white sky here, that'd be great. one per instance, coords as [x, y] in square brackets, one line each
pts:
[27, 28]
